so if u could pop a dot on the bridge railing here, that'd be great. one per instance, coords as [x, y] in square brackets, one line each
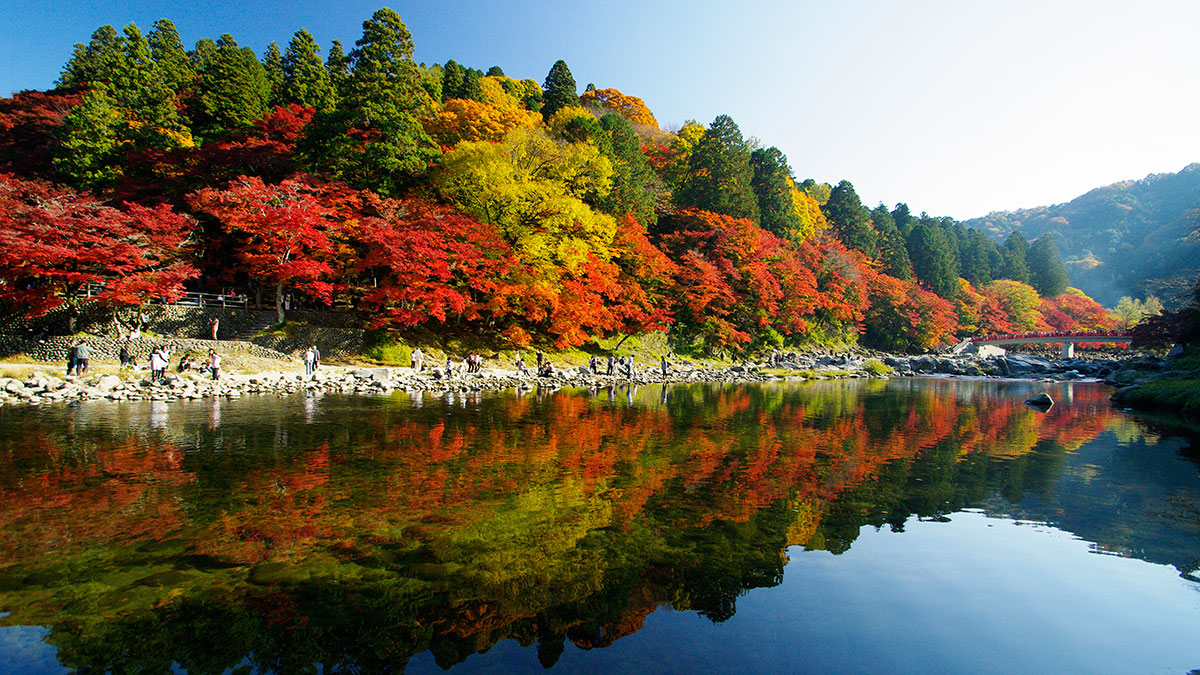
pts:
[1074, 336]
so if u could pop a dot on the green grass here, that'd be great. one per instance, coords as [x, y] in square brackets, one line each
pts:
[1167, 395]
[388, 352]
[877, 367]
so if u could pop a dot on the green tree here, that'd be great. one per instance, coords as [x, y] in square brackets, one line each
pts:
[95, 61]
[203, 54]
[1047, 273]
[559, 90]
[233, 90]
[306, 80]
[174, 67]
[1016, 254]
[850, 220]
[495, 71]
[453, 76]
[772, 185]
[632, 174]
[932, 259]
[904, 220]
[273, 66]
[148, 101]
[374, 138]
[719, 176]
[472, 85]
[89, 154]
[338, 66]
[893, 252]
[980, 261]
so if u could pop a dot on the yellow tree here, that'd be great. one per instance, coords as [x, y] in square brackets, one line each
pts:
[537, 191]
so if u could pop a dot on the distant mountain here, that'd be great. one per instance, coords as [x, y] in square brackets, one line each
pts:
[1129, 238]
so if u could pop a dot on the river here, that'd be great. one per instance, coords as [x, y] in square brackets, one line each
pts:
[855, 526]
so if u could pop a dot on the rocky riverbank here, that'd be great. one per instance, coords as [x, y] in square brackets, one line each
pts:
[43, 388]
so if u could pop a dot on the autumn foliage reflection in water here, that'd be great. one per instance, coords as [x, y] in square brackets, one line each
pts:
[360, 532]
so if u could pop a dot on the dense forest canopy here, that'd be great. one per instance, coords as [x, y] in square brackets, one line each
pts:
[447, 194]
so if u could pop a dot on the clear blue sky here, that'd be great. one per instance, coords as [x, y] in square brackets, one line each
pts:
[957, 108]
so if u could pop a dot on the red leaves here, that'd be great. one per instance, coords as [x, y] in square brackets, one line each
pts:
[281, 231]
[430, 263]
[54, 241]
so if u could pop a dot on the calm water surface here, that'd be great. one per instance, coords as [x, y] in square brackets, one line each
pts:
[904, 526]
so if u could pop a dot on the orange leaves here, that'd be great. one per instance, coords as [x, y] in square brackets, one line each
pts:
[631, 108]
[467, 120]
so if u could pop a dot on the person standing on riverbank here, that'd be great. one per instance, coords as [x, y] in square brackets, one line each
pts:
[83, 354]
[417, 358]
[214, 324]
[664, 366]
[72, 356]
[308, 361]
[214, 364]
[612, 365]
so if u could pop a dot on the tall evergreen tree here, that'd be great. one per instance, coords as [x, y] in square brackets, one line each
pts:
[560, 90]
[772, 186]
[306, 81]
[338, 66]
[473, 85]
[850, 220]
[174, 66]
[233, 90]
[374, 138]
[453, 77]
[978, 258]
[932, 260]
[495, 71]
[1047, 273]
[1016, 254]
[203, 54]
[892, 250]
[273, 66]
[631, 171]
[719, 174]
[95, 61]
[140, 89]
[904, 220]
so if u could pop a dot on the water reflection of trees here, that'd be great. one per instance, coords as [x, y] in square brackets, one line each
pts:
[358, 532]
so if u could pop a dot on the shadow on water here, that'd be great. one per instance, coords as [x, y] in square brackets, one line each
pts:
[356, 533]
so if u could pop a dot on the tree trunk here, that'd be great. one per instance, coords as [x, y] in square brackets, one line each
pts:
[279, 301]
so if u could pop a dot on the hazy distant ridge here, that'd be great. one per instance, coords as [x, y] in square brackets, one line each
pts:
[1128, 238]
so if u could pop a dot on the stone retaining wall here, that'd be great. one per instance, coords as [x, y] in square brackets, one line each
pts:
[177, 320]
[331, 342]
[54, 349]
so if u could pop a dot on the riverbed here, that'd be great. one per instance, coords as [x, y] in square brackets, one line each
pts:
[870, 525]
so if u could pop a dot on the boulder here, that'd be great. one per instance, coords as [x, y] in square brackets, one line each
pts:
[1041, 402]
[108, 383]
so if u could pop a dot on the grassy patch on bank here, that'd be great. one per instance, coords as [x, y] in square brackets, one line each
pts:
[1166, 394]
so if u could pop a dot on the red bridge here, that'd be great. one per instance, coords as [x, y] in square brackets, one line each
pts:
[1068, 339]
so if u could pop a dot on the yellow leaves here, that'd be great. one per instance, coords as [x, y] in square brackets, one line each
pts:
[809, 212]
[535, 190]
[631, 108]
[558, 122]
[467, 120]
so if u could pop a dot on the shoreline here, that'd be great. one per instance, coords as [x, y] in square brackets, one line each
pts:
[41, 388]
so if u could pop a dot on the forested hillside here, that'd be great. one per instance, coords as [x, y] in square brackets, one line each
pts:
[445, 195]
[1130, 238]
